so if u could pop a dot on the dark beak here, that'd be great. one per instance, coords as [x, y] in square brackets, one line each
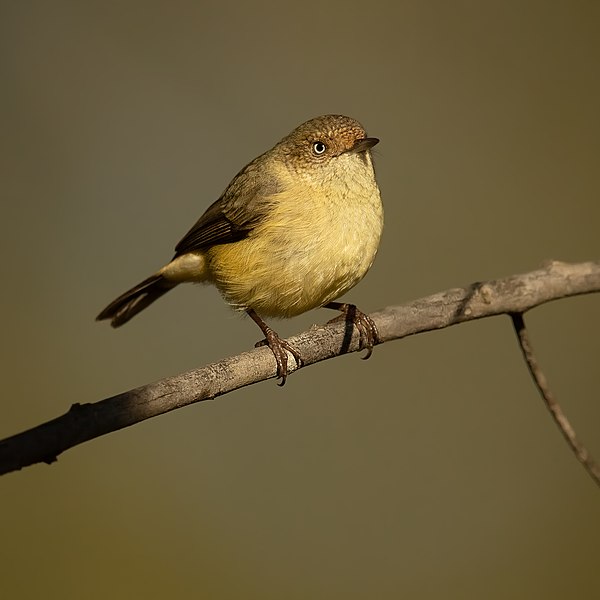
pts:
[364, 144]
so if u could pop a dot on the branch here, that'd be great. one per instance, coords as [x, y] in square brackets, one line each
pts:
[580, 451]
[84, 422]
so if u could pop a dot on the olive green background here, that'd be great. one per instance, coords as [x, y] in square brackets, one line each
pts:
[430, 471]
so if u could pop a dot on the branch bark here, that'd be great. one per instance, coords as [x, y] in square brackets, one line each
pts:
[511, 295]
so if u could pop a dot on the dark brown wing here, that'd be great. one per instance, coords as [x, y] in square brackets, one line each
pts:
[232, 217]
[213, 227]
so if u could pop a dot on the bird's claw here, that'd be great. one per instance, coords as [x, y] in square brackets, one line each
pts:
[367, 330]
[280, 348]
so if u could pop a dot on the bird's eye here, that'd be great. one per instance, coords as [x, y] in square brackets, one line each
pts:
[319, 147]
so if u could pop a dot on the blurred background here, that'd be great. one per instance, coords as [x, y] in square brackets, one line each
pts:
[430, 471]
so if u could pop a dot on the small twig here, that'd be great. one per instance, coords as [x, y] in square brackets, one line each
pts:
[581, 452]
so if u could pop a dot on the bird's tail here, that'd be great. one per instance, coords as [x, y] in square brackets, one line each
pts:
[129, 304]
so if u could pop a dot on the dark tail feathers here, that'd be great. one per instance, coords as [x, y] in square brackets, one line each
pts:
[129, 304]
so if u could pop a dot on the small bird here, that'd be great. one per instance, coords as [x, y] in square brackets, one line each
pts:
[295, 229]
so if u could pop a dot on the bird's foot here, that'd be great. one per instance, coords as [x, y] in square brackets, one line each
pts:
[280, 348]
[367, 330]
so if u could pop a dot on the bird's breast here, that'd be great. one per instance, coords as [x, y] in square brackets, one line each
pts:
[316, 244]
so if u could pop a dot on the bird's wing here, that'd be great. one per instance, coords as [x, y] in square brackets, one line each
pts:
[232, 217]
[213, 227]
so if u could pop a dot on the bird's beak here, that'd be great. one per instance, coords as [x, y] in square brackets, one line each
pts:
[364, 144]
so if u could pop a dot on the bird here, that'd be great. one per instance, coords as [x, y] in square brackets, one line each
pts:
[297, 227]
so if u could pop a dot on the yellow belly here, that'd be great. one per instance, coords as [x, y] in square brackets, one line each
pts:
[292, 264]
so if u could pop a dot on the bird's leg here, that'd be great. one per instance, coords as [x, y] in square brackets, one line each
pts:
[367, 330]
[278, 347]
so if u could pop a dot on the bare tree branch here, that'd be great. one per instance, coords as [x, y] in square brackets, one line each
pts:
[580, 451]
[83, 422]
